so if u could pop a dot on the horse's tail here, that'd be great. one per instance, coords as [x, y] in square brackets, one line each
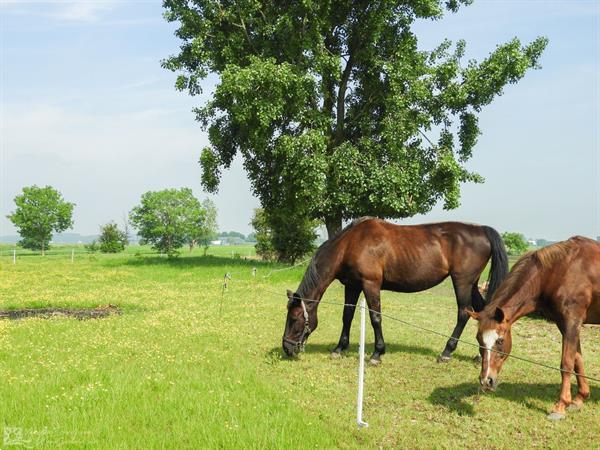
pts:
[499, 267]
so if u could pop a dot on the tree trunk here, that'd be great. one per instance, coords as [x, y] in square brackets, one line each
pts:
[333, 224]
[43, 249]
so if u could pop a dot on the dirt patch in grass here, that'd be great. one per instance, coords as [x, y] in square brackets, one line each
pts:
[45, 313]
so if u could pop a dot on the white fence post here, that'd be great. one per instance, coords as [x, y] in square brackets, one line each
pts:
[361, 366]
[72, 254]
[14, 256]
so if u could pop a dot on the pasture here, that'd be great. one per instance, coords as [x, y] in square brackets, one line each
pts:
[178, 370]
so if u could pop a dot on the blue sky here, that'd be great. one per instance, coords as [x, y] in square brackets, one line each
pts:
[86, 107]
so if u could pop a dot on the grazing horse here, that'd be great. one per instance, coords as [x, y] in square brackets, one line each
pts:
[562, 282]
[370, 255]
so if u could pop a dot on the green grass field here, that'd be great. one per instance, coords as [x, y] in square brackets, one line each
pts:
[183, 367]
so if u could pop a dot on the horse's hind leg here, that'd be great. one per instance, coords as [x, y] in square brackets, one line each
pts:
[570, 334]
[372, 292]
[463, 291]
[350, 298]
[583, 389]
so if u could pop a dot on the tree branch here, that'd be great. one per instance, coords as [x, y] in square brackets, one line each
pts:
[341, 101]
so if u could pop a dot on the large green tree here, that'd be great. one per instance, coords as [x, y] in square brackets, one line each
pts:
[330, 102]
[40, 212]
[167, 219]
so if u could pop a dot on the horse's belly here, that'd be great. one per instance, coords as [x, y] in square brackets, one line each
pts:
[593, 312]
[413, 285]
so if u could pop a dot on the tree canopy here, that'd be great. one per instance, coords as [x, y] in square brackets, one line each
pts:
[40, 212]
[331, 102]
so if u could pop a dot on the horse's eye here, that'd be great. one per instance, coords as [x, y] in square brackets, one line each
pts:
[500, 341]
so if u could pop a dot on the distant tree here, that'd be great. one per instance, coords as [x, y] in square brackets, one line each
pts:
[165, 218]
[251, 237]
[264, 244]
[234, 234]
[542, 242]
[328, 102]
[207, 229]
[112, 240]
[515, 243]
[40, 212]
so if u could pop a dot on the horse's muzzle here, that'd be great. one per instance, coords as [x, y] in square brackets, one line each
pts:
[489, 383]
[290, 348]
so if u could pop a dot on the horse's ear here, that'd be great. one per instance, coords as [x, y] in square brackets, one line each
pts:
[473, 315]
[499, 315]
[290, 294]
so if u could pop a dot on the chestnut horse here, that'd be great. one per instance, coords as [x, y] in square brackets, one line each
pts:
[371, 254]
[562, 282]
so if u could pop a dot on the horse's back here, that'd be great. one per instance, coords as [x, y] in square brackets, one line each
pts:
[411, 258]
[573, 280]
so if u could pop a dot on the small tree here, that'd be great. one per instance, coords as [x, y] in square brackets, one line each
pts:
[92, 247]
[165, 218]
[112, 240]
[292, 239]
[126, 228]
[40, 212]
[515, 243]
[279, 237]
[264, 244]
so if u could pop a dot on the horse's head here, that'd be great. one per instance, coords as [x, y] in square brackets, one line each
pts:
[495, 343]
[298, 324]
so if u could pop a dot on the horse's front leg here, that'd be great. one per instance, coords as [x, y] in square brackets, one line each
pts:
[569, 350]
[372, 292]
[350, 299]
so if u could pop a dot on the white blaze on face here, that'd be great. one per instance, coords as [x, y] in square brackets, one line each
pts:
[489, 338]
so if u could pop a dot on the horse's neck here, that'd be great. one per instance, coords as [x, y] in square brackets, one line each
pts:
[317, 292]
[326, 275]
[523, 299]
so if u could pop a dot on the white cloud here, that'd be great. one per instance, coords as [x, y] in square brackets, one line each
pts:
[84, 11]
[61, 10]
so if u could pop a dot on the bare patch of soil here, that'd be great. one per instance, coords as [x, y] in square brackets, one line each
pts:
[46, 313]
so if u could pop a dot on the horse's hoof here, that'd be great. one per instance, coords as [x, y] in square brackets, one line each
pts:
[574, 407]
[336, 355]
[443, 359]
[556, 416]
[374, 362]
[477, 358]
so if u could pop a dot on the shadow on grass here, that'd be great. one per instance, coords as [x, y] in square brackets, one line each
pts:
[458, 398]
[390, 348]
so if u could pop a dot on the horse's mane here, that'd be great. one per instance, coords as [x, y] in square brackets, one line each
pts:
[311, 275]
[545, 257]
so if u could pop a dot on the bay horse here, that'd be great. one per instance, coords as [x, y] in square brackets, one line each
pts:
[561, 281]
[371, 254]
